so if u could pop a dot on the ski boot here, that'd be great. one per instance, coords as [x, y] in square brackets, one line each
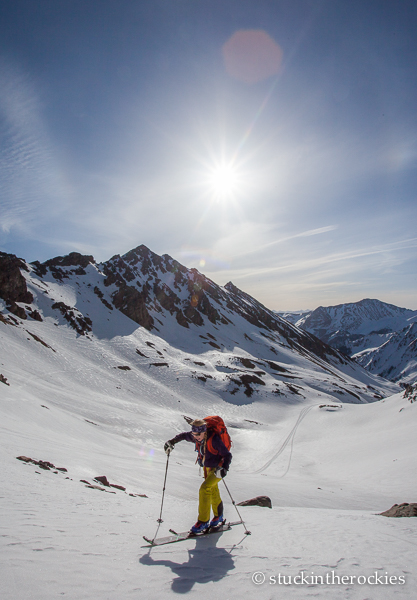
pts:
[200, 527]
[217, 522]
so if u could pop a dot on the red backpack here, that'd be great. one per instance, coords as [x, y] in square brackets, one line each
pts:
[216, 424]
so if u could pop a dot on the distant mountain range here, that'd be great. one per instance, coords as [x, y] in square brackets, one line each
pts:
[379, 336]
[169, 322]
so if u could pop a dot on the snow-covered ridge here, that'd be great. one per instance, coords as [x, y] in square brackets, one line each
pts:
[362, 317]
[396, 359]
[173, 317]
[378, 335]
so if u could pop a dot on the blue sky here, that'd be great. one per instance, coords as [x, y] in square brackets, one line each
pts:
[270, 143]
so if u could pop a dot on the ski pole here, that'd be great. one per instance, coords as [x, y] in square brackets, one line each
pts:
[163, 491]
[234, 504]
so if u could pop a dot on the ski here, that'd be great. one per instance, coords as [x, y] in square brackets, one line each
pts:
[187, 535]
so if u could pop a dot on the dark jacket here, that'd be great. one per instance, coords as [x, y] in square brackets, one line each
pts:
[205, 457]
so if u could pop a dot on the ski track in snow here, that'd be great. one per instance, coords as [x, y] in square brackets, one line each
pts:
[74, 407]
[290, 438]
[61, 539]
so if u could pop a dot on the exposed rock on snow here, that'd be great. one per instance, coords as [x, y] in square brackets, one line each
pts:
[13, 286]
[246, 380]
[102, 479]
[75, 318]
[411, 392]
[43, 464]
[97, 487]
[3, 379]
[258, 501]
[401, 510]
[129, 300]
[180, 315]
[38, 339]
[73, 259]
[122, 488]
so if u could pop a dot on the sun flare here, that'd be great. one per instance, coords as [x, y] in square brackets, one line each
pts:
[224, 180]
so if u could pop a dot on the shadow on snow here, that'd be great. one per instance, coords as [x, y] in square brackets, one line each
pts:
[205, 563]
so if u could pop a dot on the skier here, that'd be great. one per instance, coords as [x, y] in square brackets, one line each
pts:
[215, 458]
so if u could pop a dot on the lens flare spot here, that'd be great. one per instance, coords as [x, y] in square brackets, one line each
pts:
[151, 454]
[252, 55]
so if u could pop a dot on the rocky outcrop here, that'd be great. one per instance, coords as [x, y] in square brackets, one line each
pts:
[102, 479]
[132, 303]
[13, 286]
[38, 339]
[401, 510]
[35, 315]
[3, 379]
[411, 392]
[73, 259]
[258, 501]
[76, 320]
[59, 265]
[100, 294]
[247, 380]
[43, 464]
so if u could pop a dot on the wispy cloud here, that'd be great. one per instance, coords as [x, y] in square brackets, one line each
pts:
[307, 233]
[326, 259]
[30, 178]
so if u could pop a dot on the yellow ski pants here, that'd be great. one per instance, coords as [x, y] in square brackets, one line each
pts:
[209, 496]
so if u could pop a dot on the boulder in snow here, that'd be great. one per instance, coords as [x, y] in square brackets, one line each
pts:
[258, 501]
[103, 480]
[401, 510]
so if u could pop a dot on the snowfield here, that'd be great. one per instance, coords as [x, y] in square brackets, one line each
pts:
[87, 392]
[328, 472]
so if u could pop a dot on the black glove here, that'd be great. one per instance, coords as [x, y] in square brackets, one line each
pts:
[221, 472]
[168, 446]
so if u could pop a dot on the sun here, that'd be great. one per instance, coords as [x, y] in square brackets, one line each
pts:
[224, 181]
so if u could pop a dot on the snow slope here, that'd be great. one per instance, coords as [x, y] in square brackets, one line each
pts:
[293, 316]
[190, 327]
[327, 470]
[396, 359]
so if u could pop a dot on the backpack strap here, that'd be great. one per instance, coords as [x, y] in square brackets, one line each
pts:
[200, 447]
[210, 434]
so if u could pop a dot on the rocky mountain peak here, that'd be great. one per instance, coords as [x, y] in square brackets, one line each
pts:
[172, 309]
